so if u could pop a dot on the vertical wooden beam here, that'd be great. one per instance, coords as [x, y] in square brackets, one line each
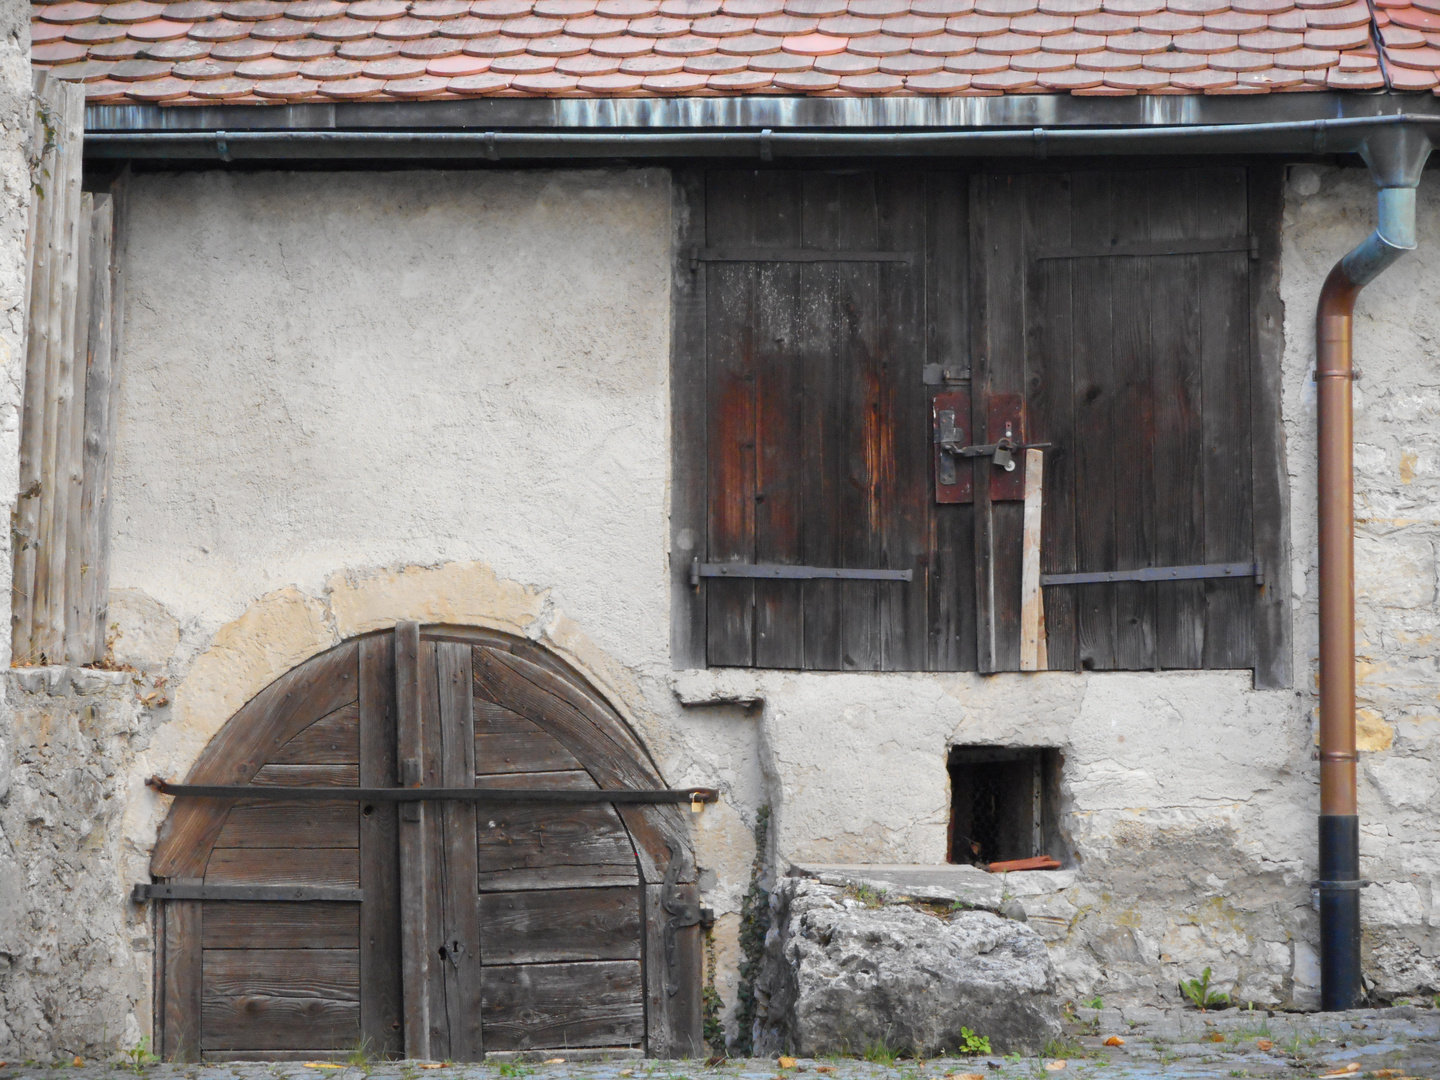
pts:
[414, 869]
[456, 880]
[181, 989]
[96, 432]
[72, 445]
[58, 387]
[1032, 604]
[381, 989]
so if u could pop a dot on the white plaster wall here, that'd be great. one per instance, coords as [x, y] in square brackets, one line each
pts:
[330, 377]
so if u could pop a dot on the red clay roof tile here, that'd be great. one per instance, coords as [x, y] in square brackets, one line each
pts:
[192, 51]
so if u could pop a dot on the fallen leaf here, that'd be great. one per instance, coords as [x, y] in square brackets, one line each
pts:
[627, 1072]
[327, 1065]
[1346, 1070]
[79, 1062]
[788, 1062]
[1215, 1036]
[824, 1068]
[423, 1065]
[554, 1061]
[1114, 1040]
[1264, 1044]
[1055, 1066]
[969, 1076]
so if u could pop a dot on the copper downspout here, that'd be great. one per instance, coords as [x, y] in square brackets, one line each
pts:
[1396, 159]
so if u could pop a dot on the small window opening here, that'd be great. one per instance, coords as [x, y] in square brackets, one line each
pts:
[1004, 804]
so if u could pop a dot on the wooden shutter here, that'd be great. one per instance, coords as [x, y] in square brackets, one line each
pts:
[1120, 304]
[819, 295]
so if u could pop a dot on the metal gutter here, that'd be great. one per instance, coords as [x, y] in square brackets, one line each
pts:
[1346, 134]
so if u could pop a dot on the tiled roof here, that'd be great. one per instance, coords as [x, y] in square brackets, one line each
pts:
[188, 52]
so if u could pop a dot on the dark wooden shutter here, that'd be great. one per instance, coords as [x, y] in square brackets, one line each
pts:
[1133, 311]
[1120, 303]
[820, 295]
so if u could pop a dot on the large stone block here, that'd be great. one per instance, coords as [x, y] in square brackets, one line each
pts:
[844, 969]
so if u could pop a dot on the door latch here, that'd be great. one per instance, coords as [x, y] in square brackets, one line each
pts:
[1002, 451]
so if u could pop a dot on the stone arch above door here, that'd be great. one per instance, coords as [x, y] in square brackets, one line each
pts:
[334, 721]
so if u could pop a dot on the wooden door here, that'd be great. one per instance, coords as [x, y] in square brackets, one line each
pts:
[437, 929]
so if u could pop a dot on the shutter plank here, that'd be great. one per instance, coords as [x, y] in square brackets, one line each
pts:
[1225, 329]
[1050, 396]
[1095, 403]
[951, 541]
[689, 490]
[905, 526]
[1133, 433]
[1175, 196]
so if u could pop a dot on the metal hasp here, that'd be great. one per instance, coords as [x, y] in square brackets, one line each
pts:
[1396, 157]
[781, 572]
[624, 796]
[1159, 573]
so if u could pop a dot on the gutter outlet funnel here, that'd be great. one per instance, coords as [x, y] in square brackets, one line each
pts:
[1396, 157]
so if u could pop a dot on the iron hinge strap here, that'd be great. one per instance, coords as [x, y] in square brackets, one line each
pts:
[1159, 573]
[262, 893]
[783, 572]
[626, 796]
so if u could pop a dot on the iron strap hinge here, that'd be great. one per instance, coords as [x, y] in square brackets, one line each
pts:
[782, 572]
[626, 796]
[1160, 573]
[266, 893]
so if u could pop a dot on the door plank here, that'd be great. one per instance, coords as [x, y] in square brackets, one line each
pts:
[253, 824]
[414, 862]
[307, 776]
[460, 902]
[339, 867]
[181, 982]
[532, 750]
[249, 739]
[280, 999]
[674, 975]
[260, 925]
[381, 963]
[533, 1006]
[556, 925]
[331, 740]
[517, 835]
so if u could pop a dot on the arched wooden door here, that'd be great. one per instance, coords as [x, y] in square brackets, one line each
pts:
[439, 929]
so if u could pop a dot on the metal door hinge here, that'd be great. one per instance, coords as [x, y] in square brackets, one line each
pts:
[944, 374]
[784, 572]
[1159, 573]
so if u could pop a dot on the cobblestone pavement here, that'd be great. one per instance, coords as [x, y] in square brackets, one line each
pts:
[1383, 1044]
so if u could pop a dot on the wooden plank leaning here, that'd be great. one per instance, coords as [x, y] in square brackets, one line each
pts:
[1032, 599]
[56, 398]
[96, 436]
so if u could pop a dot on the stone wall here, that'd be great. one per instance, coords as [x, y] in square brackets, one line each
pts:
[354, 398]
